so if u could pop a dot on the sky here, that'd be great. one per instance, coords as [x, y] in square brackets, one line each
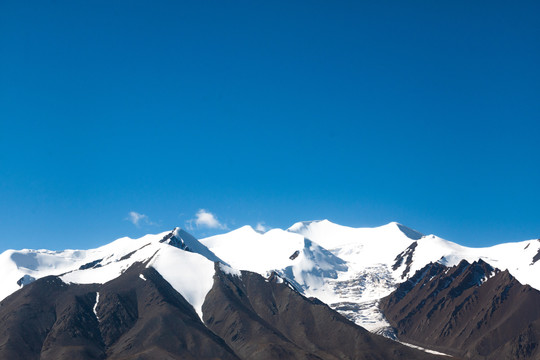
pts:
[121, 118]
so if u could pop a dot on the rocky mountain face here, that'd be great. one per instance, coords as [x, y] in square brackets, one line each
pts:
[139, 315]
[131, 319]
[267, 319]
[470, 310]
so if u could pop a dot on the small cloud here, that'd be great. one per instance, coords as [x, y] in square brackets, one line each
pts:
[205, 219]
[260, 226]
[137, 219]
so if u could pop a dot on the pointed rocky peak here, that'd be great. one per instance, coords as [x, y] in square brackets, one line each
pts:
[423, 275]
[484, 267]
[406, 257]
[183, 240]
[175, 238]
[276, 278]
[437, 277]
[402, 229]
[462, 277]
[472, 274]
[410, 233]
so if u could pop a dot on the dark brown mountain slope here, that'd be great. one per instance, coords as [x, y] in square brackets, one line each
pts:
[138, 319]
[460, 311]
[46, 312]
[143, 317]
[266, 319]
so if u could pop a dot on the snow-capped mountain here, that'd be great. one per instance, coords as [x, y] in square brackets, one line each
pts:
[350, 269]
[171, 296]
[166, 252]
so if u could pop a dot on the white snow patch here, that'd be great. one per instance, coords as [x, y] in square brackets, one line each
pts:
[95, 306]
[192, 275]
[229, 270]
[424, 349]
[142, 277]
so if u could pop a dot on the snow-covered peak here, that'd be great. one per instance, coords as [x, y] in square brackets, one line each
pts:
[305, 264]
[247, 249]
[311, 267]
[360, 246]
[410, 233]
[332, 236]
[185, 241]
[516, 257]
[301, 225]
[180, 258]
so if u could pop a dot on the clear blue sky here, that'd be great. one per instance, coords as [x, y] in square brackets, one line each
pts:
[421, 112]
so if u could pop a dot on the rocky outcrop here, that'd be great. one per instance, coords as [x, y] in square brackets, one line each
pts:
[470, 310]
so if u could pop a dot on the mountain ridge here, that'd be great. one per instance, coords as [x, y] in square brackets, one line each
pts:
[469, 310]
[349, 269]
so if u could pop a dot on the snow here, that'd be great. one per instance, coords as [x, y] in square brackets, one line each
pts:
[373, 245]
[311, 269]
[425, 350]
[141, 276]
[195, 245]
[15, 265]
[247, 249]
[192, 275]
[229, 270]
[368, 254]
[96, 305]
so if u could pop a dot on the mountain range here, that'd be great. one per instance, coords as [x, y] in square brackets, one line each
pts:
[317, 290]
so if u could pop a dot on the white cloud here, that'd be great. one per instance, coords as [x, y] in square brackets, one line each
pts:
[205, 219]
[137, 219]
[260, 226]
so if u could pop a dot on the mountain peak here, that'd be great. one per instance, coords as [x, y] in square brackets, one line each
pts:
[296, 227]
[183, 240]
[410, 233]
